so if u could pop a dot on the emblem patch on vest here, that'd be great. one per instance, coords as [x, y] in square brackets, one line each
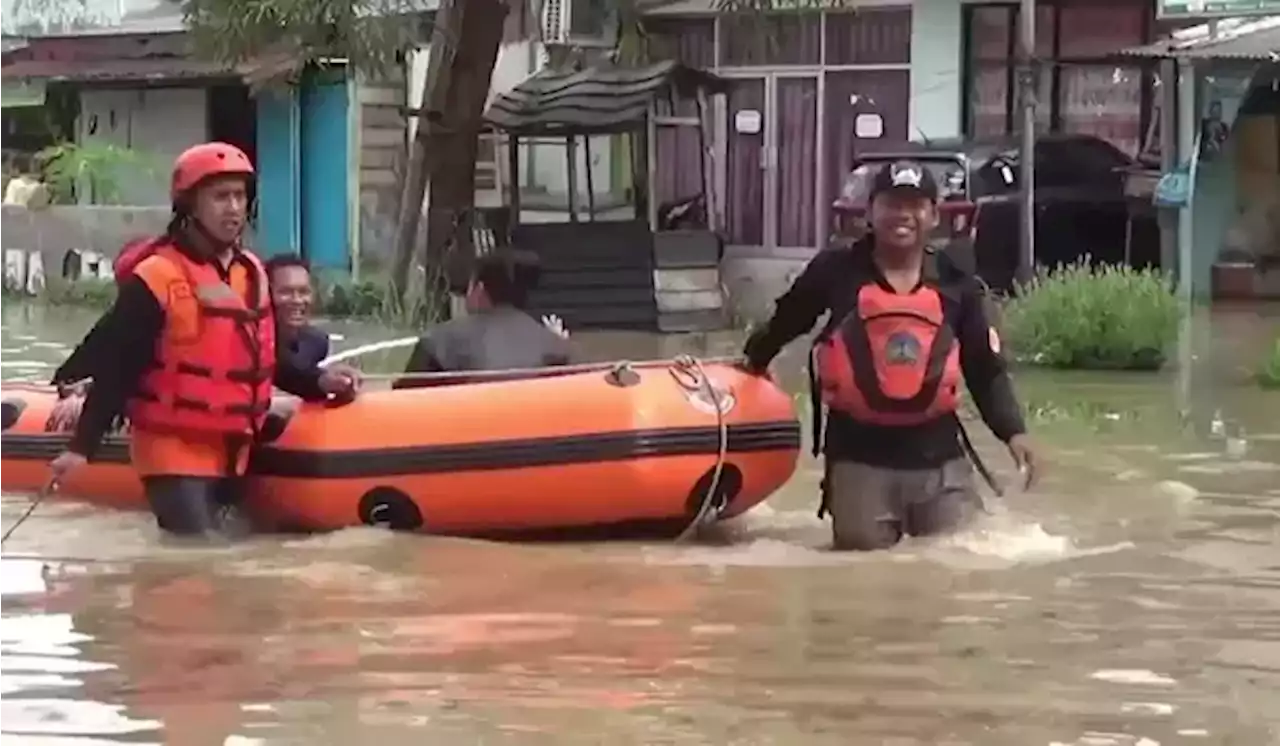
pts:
[902, 349]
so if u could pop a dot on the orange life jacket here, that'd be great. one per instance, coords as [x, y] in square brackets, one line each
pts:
[215, 359]
[131, 254]
[894, 360]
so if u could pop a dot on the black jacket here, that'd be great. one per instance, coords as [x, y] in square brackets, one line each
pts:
[829, 285]
[306, 347]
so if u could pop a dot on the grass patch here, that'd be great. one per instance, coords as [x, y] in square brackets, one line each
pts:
[1268, 375]
[1094, 318]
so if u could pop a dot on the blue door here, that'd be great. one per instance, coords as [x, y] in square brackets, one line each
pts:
[326, 199]
[279, 130]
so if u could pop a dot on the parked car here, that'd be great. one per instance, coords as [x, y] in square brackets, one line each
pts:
[1081, 207]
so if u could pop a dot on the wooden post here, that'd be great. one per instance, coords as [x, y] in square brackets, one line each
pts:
[1027, 85]
[705, 138]
[591, 187]
[636, 151]
[651, 166]
[513, 177]
[571, 160]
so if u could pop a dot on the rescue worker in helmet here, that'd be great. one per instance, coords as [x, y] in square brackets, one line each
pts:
[497, 333]
[193, 352]
[905, 327]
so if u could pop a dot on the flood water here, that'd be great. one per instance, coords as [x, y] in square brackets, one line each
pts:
[1134, 599]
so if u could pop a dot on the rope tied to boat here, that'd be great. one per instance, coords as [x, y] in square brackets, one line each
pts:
[688, 372]
[485, 375]
[35, 503]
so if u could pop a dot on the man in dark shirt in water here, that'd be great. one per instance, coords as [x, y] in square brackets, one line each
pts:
[293, 296]
[906, 328]
[496, 333]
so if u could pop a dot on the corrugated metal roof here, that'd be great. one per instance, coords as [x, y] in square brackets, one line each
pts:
[152, 68]
[595, 100]
[1256, 39]
[135, 57]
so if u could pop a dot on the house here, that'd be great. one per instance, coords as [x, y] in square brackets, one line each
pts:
[787, 131]
[132, 81]
[930, 68]
[1225, 109]
[784, 135]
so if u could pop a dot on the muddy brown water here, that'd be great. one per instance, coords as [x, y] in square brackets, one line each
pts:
[1133, 599]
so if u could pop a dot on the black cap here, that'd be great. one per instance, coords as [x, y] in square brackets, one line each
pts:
[904, 176]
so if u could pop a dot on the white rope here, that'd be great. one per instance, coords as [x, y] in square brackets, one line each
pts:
[390, 344]
[35, 503]
[491, 373]
[703, 513]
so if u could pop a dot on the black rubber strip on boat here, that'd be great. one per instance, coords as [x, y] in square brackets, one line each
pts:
[434, 459]
[516, 454]
[114, 449]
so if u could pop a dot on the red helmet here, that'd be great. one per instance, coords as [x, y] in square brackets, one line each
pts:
[206, 160]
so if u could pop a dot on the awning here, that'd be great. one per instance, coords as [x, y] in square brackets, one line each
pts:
[1257, 40]
[596, 100]
[144, 69]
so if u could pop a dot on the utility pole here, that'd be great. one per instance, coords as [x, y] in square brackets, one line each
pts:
[1027, 85]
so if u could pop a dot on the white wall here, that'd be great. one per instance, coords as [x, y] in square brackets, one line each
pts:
[156, 123]
[78, 16]
[936, 84]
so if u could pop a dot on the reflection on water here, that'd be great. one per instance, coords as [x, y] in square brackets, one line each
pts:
[1133, 600]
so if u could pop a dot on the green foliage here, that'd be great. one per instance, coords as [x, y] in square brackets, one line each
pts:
[286, 36]
[1107, 318]
[291, 35]
[374, 298]
[344, 299]
[1268, 376]
[98, 167]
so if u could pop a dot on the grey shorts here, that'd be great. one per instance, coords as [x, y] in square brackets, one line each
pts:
[872, 507]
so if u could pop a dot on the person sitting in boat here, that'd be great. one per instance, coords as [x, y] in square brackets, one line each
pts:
[906, 326]
[497, 333]
[193, 353]
[292, 295]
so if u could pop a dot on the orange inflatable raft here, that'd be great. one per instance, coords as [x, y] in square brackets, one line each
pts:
[483, 454]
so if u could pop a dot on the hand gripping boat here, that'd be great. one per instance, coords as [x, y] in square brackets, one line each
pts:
[647, 444]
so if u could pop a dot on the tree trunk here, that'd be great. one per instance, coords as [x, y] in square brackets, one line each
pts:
[453, 177]
[464, 49]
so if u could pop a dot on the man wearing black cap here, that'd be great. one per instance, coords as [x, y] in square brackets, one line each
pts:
[906, 327]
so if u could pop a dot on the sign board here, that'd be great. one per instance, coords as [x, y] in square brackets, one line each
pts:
[1174, 188]
[747, 122]
[1215, 8]
[868, 126]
